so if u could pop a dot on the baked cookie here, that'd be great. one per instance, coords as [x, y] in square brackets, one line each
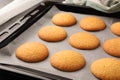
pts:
[106, 69]
[112, 47]
[67, 60]
[115, 28]
[84, 40]
[32, 52]
[92, 23]
[64, 19]
[52, 33]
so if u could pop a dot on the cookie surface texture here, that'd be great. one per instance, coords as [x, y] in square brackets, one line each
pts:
[64, 19]
[112, 47]
[84, 40]
[32, 52]
[115, 28]
[92, 23]
[106, 69]
[52, 33]
[67, 60]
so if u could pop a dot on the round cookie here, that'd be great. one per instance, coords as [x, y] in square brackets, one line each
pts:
[32, 52]
[92, 23]
[106, 69]
[112, 47]
[64, 19]
[115, 28]
[67, 60]
[84, 40]
[52, 33]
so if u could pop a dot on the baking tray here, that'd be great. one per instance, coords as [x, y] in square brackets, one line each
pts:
[43, 69]
[23, 21]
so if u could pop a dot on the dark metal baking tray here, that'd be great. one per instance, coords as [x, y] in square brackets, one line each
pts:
[15, 29]
[39, 12]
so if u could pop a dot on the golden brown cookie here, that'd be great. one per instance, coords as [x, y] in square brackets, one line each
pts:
[106, 69]
[84, 40]
[52, 33]
[64, 19]
[32, 52]
[92, 23]
[112, 47]
[67, 60]
[115, 28]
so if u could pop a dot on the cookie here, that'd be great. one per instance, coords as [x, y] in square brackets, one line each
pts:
[67, 60]
[106, 69]
[92, 23]
[32, 52]
[84, 40]
[52, 33]
[64, 19]
[112, 47]
[115, 28]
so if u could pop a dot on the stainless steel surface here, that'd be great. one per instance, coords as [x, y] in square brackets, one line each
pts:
[16, 7]
[7, 55]
[4, 2]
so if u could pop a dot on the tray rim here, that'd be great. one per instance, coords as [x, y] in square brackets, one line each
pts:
[6, 68]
